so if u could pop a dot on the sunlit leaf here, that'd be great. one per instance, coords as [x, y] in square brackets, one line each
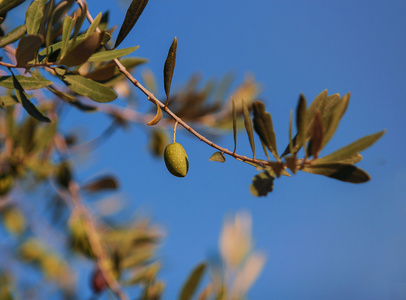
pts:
[101, 184]
[28, 106]
[79, 21]
[94, 25]
[343, 172]
[332, 117]
[169, 68]
[218, 156]
[262, 184]
[264, 128]
[112, 54]
[27, 49]
[34, 15]
[67, 27]
[157, 117]
[248, 126]
[133, 13]
[82, 51]
[87, 87]
[27, 83]
[351, 150]
[13, 35]
[192, 283]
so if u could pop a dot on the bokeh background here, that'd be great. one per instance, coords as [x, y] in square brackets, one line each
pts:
[324, 239]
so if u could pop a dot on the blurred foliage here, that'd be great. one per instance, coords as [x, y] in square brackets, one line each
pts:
[54, 60]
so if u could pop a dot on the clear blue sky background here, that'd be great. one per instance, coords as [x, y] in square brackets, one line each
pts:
[324, 239]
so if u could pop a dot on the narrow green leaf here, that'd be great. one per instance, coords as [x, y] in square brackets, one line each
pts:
[343, 172]
[67, 27]
[94, 25]
[82, 51]
[79, 21]
[8, 100]
[192, 283]
[157, 117]
[13, 35]
[264, 128]
[234, 114]
[87, 87]
[34, 15]
[316, 137]
[111, 54]
[351, 150]
[218, 156]
[72, 100]
[7, 5]
[290, 132]
[133, 13]
[248, 126]
[27, 49]
[262, 184]
[301, 122]
[332, 117]
[27, 83]
[28, 106]
[169, 68]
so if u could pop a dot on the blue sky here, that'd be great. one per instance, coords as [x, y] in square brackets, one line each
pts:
[324, 239]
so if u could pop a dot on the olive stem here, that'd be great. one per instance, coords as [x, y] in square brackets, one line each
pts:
[174, 131]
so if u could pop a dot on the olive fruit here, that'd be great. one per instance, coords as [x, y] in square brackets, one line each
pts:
[176, 159]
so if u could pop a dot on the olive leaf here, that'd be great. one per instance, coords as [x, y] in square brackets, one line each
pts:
[192, 283]
[262, 184]
[158, 115]
[13, 35]
[82, 51]
[316, 136]
[234, 114]
[264, 128]
[218, 156]
[27, 83]
[34, 15]
[103, 183]
[111, 54]
[340, 171]
[68, 23]
[301, 122]
[92, 28]
[133, 13]
[169, 68]
[6, 5]
[28, 106]
[351, 151]
[248, 126]
[27, 49]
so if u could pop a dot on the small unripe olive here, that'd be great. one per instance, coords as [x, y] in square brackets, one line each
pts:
[176, 159]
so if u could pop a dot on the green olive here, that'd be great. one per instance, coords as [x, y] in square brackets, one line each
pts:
[176, 159]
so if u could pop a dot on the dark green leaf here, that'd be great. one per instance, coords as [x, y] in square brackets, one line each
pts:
[264, 128]
[87, 87]
[262, 184]
[248, 126]
[102, 183]
[301, 122]
[192, 283]
[7, 5]
[82, 51]
[27, 83]
[27, 49]
[169, 68]
[352, 149]
[112, 54]
[218, 156]
[13, 35]
[28, 106]
[133, 13]
[234, 114]
[34, 15]
[343, 172]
